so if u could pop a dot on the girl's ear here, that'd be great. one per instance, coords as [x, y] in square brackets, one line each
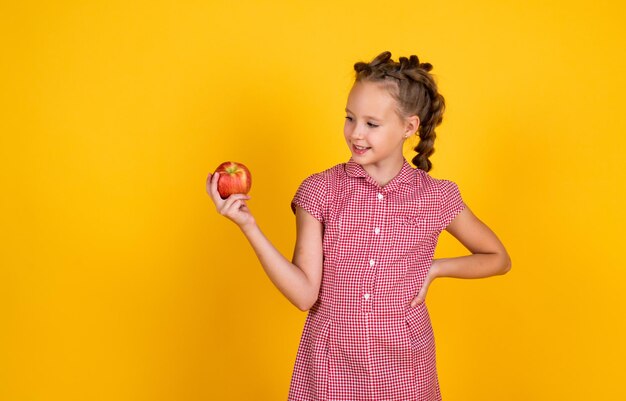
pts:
[412, 124]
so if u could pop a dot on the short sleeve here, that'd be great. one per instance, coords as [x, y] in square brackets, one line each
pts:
[451, 203]
[311, 196]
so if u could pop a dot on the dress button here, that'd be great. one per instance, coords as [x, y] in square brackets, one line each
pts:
[377, 230]
[366, 296]
[379, 196]
[372, 262]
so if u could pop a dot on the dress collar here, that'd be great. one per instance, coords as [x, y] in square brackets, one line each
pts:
[405, 176]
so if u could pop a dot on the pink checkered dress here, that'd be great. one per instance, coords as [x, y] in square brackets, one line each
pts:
[362, 340]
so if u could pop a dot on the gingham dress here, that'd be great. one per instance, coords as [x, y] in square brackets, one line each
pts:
[362, 340]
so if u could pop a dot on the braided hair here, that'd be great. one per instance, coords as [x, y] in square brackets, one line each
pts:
[415, 91]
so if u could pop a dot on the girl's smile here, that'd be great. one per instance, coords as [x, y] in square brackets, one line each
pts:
[359, 150]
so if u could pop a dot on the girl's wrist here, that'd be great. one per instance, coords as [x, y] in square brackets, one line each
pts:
[435, 268]
[248, 227]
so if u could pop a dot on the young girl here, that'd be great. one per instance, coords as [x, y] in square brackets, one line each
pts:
[366, 235]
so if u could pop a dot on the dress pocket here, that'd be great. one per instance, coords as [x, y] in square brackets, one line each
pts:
[408, 232]
[420, 330]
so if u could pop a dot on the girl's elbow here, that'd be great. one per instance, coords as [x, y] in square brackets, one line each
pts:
[506, 264]
[306, 303]
[304, 306]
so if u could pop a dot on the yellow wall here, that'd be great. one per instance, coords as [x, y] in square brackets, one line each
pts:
[118, 280]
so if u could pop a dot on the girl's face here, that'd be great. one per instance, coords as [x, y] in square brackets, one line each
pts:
[373, 130]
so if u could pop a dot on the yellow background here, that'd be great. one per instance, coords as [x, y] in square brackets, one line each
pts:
[119, 281]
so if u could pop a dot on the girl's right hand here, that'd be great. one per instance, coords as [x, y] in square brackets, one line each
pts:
[234, 207]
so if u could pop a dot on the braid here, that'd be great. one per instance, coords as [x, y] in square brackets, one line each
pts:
[415, 91]
[426, 146]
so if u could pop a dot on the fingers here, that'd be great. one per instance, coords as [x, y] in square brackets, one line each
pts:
[211, 187]
[417, 300]
[234, 202]
[208, 183]
[421, 296]
[233, 205]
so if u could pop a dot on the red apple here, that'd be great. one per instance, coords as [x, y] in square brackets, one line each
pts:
[234, 178]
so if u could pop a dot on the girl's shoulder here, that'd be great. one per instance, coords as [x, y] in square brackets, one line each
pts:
[427, 183]
[338, 170]
[317, 191]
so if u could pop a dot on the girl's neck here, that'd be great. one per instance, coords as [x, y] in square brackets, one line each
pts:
[382, 173]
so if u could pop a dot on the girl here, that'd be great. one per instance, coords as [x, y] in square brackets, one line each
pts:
[366, 236]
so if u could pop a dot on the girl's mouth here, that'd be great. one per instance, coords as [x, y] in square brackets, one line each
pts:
[359, 150]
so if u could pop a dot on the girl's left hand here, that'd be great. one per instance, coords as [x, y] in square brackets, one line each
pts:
[432, 274]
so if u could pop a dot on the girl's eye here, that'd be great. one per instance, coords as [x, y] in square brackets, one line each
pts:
[371, 125]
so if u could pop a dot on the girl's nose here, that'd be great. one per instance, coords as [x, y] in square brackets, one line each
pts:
[357, 132]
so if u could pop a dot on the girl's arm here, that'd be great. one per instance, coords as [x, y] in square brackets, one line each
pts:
[299, 280]
[488, 258]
